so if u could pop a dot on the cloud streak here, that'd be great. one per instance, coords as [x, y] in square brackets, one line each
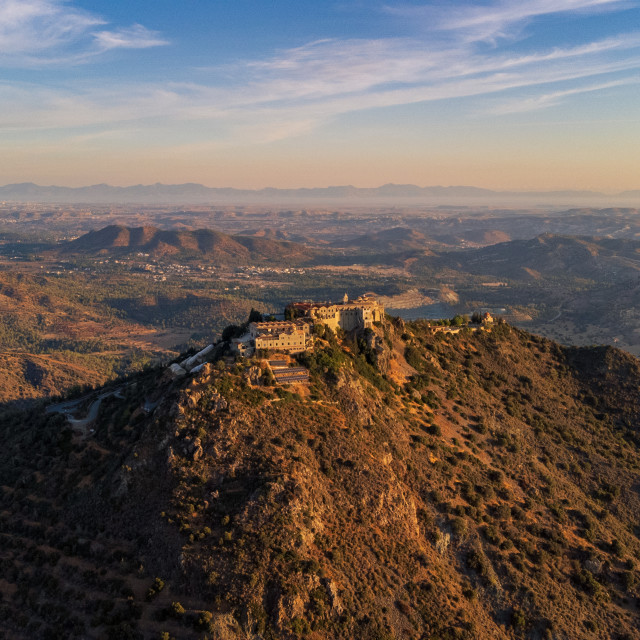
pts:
[296, 90]
[135, 37]
[546, 100]
[331, 68]
[300, 91]
[498, 20]
[49, 32]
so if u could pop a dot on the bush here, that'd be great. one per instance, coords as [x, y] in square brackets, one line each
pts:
[413, 357]
[587, 581]
[491, 534]
[459, 526]
[518, 620]
[617, 547]
[203, 623]
[300, 627]
[629, 581]
[155, 589]
[176, 610]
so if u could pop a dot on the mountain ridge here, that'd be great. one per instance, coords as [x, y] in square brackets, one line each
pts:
[546, 255]
[198, 193]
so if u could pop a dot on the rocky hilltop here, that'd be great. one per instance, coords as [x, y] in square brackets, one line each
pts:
[422, 485]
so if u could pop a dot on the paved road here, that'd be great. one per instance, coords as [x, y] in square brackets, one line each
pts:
[71, 406]
[83, 423]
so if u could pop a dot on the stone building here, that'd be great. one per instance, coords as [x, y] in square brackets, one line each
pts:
[291, 337]
[281, 336]
[348, 314]
[294, 336]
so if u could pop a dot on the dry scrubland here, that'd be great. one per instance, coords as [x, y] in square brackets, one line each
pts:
[478, 485]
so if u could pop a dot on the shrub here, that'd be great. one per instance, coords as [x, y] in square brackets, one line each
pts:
[413, 357]
[300, 627]
[491, 534]
[459, 526]
[608, 492]
[629, 581]
[176, 610]
[518, 620]
[155, 589]
[586, 580]
[477, 561]
[617, 548]
[203, 623]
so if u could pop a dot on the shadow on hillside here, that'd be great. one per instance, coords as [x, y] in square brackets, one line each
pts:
[24, 404]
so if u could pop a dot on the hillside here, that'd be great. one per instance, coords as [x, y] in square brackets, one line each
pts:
[601, 259]
[397, 239]
[53, 338]
[492, 494]
[282, 235]
[26, 375]
[206, 244]
[60, 330]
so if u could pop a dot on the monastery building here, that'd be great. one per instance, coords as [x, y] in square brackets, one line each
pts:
[348, 315]
[294, 335]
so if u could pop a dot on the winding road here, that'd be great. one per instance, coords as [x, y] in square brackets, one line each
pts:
[69, 407]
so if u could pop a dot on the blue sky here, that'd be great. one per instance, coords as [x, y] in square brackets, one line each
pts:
[539, 94]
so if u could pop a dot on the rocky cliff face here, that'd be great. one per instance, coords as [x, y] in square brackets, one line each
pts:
[422, 485]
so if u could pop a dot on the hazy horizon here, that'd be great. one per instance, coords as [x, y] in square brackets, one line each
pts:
[326, 187]
[397, 196]
[303, 187]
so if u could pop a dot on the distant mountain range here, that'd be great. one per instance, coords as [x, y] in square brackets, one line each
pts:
[191, 193]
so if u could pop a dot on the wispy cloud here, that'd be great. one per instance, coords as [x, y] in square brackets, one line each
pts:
[45, 32]
[298, 89]
[331, 68]
[553, 98]
[498, 19]
[135, 37]
[292, 95]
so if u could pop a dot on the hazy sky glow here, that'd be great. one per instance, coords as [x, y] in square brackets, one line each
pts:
[504, 94]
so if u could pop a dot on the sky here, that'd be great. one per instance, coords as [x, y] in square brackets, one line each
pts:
[501, 94]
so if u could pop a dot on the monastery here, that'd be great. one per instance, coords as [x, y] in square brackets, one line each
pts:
[294, 335]
[348, 315]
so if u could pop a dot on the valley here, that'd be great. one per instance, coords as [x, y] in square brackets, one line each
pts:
[154, 281]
